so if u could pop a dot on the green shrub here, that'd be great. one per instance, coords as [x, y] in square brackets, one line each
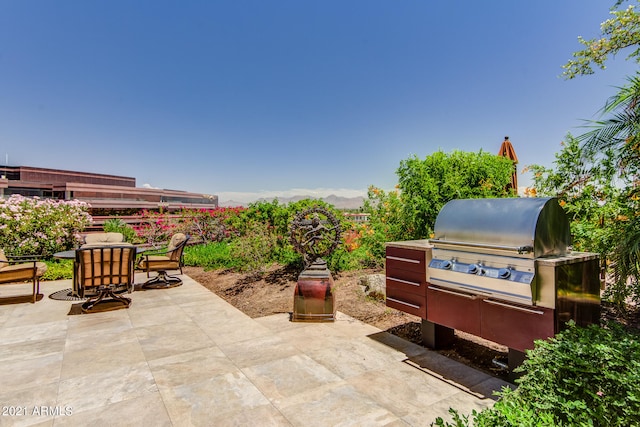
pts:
[343, 260]
[583, 376]
[254, 251]
[210, 256]
[61, 269]
[116, 225]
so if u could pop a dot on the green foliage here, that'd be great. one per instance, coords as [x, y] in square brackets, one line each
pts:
[260, 237]
[209, 225]
[210, 256]
[34, 226]
[619, 130]
[386, 221]
[254, 250]
[617, 33]
[587, 190]
[426, 185]
[117, 225]
[618, 136]
[344, 260]
[601, 202]
[58, 269]
[582, 376]
[279, 217]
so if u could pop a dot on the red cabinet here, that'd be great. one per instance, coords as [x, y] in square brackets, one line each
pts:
[515, 326]
[454, 309]
[406, 279]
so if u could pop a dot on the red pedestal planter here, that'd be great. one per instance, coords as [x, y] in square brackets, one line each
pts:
[313, 297]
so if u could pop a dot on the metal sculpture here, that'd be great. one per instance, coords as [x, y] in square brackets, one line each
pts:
[315, 233]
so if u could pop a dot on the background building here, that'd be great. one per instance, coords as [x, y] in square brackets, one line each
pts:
[107, 194]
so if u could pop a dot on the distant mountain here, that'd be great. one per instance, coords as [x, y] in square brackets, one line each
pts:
[231, 204]
[337, 201]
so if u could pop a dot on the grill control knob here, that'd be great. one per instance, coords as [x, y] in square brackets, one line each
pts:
[473, 269]
[504, 273]
[446, 265]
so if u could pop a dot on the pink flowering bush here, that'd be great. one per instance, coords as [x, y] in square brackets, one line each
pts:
[31, 225]
[204, 225]
[210, 225]
[156, 228]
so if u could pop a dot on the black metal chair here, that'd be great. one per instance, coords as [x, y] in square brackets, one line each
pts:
[163, 261]
[103, 273]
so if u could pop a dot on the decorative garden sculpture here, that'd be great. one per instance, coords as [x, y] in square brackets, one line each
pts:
[315, 233]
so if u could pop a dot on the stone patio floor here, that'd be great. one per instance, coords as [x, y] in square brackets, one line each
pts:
[184, 356]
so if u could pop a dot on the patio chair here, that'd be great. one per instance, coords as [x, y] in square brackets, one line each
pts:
[14, 269]
[103, 273]
[104, 239]
[163, 261]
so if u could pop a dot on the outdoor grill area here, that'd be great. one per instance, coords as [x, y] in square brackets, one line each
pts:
[500, 269]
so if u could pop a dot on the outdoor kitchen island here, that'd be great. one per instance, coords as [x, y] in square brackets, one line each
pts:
[500, 269]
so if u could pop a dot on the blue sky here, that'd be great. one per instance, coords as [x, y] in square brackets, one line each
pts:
[248, 98]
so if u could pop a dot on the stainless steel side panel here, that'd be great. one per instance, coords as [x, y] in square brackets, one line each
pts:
[571, 285]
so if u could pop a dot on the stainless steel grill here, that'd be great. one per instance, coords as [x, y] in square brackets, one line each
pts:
[501, 269]
[489, 246]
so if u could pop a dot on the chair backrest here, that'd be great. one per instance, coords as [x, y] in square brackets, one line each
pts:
[108, 265]
[176, 245]
[103, 239]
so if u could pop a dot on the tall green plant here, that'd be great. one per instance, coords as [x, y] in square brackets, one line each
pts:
[117, 225]
[426, 185]
[254, 250]
[601, 206]
[386, 221]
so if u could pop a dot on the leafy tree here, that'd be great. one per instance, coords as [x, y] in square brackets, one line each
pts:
[619, 133]
[426, 185]
[620, 130]
[614, 142]
[386, 221]
[617, 33]
[596, 196]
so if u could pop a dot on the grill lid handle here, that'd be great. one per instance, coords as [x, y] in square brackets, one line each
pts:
[519, 249]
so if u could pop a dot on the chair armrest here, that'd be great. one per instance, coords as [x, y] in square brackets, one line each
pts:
[147, 254]
[23, 258]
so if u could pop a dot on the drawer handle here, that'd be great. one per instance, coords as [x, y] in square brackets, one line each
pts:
[403, 281]
[417, 307]
[414, 261]
[515, 307]
[458, 294]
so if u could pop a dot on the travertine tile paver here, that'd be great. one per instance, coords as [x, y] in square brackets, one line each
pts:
[183, 356]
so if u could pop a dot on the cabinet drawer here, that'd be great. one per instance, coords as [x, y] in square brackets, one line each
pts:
[413, 285]
[454, 309]
[408, 302]
[515, 326]
[406, 259]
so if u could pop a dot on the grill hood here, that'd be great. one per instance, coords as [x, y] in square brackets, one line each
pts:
[531, 227]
